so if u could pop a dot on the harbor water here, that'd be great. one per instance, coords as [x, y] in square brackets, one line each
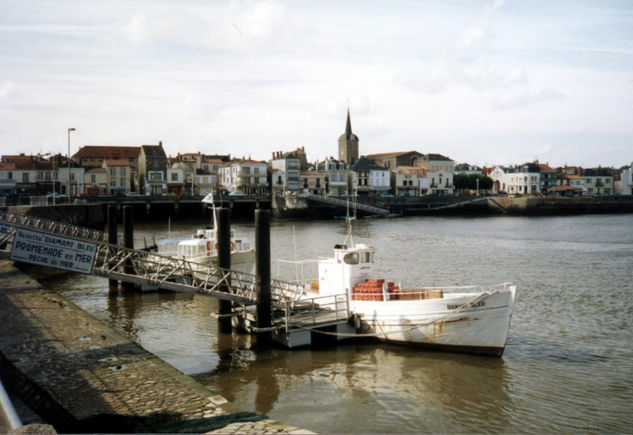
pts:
[568, 365]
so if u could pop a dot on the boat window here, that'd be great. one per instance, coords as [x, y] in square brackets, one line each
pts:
[351, 258]
[366, 257]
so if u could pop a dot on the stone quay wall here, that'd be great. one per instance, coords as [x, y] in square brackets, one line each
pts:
[80, 375]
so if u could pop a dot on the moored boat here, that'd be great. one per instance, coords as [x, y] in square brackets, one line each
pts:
[473, 319]
[202, 246]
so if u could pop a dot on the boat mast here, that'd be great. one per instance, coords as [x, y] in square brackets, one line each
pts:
[348, 220]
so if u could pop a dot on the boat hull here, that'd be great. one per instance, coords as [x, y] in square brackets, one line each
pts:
[436, 324]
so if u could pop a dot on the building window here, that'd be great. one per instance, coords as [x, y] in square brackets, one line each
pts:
[93, 178]
[122, 172]
[174, 176]
[112, 172]
[122, 182]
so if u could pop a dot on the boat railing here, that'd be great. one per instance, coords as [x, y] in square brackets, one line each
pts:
[309, 311]
[392, 293]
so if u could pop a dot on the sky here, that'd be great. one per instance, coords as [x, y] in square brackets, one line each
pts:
[481, 81]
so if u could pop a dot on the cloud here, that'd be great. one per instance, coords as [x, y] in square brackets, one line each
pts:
[235, 25]
[443, 74]
[527, 99]
[479, 33]
[6, 88]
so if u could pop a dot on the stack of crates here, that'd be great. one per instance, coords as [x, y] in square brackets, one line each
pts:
[372, 290]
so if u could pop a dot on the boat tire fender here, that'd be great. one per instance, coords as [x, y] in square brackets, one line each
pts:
[355, 321]
[208, 248]
[217, 246]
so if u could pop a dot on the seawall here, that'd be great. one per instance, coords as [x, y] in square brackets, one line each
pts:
[80, 375]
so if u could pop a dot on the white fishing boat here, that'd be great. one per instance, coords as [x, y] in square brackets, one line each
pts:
[202, 246]
[473, 319]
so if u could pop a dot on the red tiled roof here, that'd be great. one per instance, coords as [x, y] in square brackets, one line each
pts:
[117, 162]
[107, 152]
[386, 155]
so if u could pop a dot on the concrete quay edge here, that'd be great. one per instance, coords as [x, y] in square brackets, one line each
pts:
[81, 375]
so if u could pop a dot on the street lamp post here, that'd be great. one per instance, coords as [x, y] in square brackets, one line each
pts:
[68, 180]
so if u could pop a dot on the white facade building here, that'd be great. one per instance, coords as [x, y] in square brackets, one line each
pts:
[368, 177]
[246, 176]
[626, 181]
[515, 183]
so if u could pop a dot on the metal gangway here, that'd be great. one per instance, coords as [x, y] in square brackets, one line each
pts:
[344, 203]
[146, 268]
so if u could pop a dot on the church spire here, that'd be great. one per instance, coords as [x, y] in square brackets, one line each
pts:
[348, 127]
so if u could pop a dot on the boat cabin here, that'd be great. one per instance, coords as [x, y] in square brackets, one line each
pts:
[204, 244]
[348, 267]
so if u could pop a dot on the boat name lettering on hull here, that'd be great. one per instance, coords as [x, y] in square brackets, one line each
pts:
[473, 305]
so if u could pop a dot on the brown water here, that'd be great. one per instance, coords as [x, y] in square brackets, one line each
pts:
[568, 366]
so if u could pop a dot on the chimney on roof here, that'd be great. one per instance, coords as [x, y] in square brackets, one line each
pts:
[160, 143]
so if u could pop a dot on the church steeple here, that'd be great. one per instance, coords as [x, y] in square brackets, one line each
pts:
[348, 144]
[348, 127]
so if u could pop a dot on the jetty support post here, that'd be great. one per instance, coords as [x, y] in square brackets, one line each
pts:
[113, 284]
[224, 264]
[262, 276]
[128, 241]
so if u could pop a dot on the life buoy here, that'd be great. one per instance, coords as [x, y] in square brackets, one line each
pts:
[232, 246]
[208, 248]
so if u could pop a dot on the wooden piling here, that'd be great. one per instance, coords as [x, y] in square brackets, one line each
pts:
[113, 284]
[262, 275]
[224, 262]
[128, 241]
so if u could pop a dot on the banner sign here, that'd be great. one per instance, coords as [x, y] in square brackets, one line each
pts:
[53, 251]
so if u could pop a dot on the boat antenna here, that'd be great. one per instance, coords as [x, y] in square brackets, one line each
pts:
[348, 220]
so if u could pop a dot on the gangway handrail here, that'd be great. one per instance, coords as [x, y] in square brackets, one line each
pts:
[340, 202]
[53, 227]
[138, 266]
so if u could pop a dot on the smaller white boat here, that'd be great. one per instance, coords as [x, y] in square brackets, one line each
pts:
[202, 246]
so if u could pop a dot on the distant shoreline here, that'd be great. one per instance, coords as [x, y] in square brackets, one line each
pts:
[93, 215]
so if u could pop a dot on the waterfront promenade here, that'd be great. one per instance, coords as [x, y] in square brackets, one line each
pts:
[80, 375]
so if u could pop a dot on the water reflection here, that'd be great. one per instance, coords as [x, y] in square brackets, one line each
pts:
[433, 389]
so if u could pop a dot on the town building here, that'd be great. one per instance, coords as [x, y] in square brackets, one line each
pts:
[92, 156]
[8, 184]
[176, 181]
[369, 178]
[395, 159]
[289, 170]
[152, 169]
[95, 182]
[568, 185]
[626, 181]
[547, 176]
[440, 170]
[313, 182]
[410, 181]
[247, 177]
[598, 181]
[336, 178]
[516, 181]
[466, 169]
[348, 144]
[118, 176]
